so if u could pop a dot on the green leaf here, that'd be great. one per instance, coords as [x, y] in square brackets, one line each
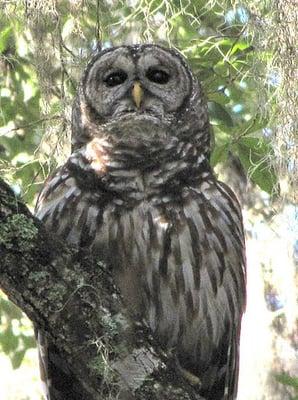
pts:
[5, 36]
[252, 126]
[219, 98]
[219, 114]
[9, 309]
[288, 380]
[28, 341]
[236, 93]
[219, 154]
[17, 358]
[8, 341]
[8, 110]
[241, 47]
[254, 155]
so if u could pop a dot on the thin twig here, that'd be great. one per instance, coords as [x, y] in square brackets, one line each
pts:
[34, 123]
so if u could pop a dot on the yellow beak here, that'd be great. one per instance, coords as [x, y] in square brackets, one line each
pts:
[137, 93]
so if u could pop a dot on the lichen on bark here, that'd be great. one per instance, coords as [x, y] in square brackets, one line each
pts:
[18, 232]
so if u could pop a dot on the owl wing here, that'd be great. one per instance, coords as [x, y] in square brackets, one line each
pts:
[214, 221]
[235, 284]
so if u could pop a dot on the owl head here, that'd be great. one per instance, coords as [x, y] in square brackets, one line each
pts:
[141, 95]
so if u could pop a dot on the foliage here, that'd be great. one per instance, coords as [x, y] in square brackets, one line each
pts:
[15, 332]
[45, 46]
[289, 381]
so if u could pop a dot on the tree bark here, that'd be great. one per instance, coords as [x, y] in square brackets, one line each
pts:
[72, 296]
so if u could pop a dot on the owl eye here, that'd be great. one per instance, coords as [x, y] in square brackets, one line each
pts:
[115, 78]
[158, 76]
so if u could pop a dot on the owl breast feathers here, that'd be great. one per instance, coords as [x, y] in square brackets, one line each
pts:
[138, 192]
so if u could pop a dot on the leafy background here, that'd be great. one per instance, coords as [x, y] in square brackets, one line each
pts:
[242, 53]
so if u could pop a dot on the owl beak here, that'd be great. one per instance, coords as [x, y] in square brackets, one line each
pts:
[137, 93]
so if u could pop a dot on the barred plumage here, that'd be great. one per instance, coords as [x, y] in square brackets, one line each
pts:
[138, 191]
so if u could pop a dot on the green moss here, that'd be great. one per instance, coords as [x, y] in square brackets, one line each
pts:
[102, 370]
[56, 296]
[39, 277]
[38, 280]
[18, 232]
[111, 324]
[107, 347]
[99, 365]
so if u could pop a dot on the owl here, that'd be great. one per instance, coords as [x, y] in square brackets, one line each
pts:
[138, 192]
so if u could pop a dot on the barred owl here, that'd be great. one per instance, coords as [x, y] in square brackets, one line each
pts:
[138, 191]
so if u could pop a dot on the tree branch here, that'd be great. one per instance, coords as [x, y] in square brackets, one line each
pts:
[72, 297]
